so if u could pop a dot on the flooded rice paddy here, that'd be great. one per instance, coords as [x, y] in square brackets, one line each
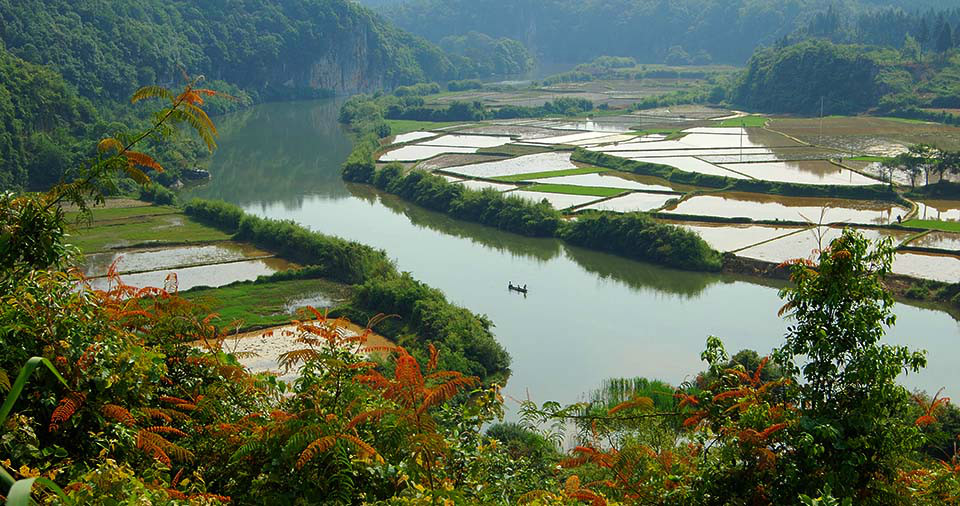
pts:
[558, 201]
[150, 259]
[528, 164]
[415, 153]
[816, 172]
[212, 275]
[633, 202]
[467, 141]
[603, 180]
[793, 209]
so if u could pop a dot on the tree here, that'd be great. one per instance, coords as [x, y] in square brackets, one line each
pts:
[944, 38]
[853, 410]
[911, 49]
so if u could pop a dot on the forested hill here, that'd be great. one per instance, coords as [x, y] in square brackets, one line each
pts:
[574, 31]
[107, 48]
[847, 78]
[68, 66]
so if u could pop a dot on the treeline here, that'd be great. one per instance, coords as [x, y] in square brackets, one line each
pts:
[846, 79]
[488, 207]
[425, 314]
[632, 236]
[367, 113]
[910, 28]
[679, 32]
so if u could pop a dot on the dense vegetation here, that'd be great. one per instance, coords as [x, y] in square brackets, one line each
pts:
[846, 79]
[687, 31]
[638, 236]
[58, 56]
[482, 55]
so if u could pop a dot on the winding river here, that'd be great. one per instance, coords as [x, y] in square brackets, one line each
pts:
[589, 316]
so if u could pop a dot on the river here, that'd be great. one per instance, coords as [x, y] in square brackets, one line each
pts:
[589, 316]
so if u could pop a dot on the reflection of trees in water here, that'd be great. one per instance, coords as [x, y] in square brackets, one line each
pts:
[278, 152]
[642, 276]
[539, 249]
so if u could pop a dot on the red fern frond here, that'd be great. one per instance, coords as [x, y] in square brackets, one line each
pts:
[163, 429]
[434, 356]
[313, 449]
[375, 414]
[445, 392]
[142, 160]
[119, 414]
[636, 402]
[362, 445]
[65, 409]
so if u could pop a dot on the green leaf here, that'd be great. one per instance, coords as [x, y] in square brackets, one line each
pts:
[21, 492]
[21, 382]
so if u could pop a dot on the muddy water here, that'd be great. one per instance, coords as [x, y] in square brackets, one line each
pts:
[212, 275]
[796, 209]
[817, 172]
[149, 259]
[588, 316]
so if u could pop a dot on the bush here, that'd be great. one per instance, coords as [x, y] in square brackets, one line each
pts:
[639, 237]
[157, 194]
[465, 85]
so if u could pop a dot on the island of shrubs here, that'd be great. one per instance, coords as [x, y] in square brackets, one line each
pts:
[631, 235]
[464, 338]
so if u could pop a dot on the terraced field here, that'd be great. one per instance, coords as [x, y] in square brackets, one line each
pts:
[532, 159]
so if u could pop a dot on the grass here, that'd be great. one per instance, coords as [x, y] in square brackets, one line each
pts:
[945, 226]
[906, 120]
[548, 174]
[265, 304]
[869, 159]
[119, 213]
[168, 228]
[569, 189]
[651, 131]
[746, 121]
[402, 126]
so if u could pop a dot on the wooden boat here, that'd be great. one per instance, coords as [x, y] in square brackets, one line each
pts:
[517, 288]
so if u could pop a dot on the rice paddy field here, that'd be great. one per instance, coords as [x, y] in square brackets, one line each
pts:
[531, 159]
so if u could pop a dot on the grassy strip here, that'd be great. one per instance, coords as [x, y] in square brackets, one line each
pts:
[569, 189]
[548, 174]
[118, 213]
[263, 304]
[945, 226]
[403, 126]
[651, 131]
[870, 159]
[880, 192]
[140, 229]
[746, 122]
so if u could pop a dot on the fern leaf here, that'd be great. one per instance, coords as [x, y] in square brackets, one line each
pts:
[362, 446]
[148, 92]
[163, 429]
[445, 392]
[108, 144]
[143, 160]
[313, 449]
[636, 402]
[119, 414]
[65, 409]
[4, 381]
[157, 413]
[434, 356]
[184, 116]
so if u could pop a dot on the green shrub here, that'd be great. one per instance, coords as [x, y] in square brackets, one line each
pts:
[639, 237]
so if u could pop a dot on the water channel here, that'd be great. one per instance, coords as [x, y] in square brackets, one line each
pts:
[589, 316]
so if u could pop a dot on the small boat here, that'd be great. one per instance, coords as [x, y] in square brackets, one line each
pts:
[517, 288]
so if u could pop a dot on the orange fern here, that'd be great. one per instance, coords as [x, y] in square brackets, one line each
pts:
[66, 409]
[119, 414]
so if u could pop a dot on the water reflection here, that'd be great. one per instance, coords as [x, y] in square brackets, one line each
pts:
[278, 153]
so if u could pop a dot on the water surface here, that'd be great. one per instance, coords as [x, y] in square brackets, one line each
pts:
[589, 316]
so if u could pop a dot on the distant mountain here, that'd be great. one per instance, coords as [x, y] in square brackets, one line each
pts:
[574, 31]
